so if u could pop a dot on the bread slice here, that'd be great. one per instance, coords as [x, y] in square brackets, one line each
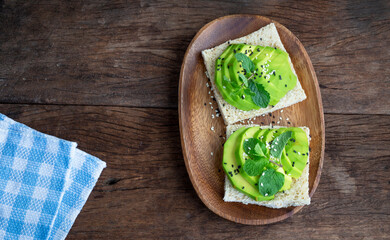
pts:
[266, 36]
[297, 195]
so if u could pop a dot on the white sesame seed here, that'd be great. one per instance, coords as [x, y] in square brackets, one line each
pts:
[278, 122]
[287, 119]
[212, 128]
[280, 118]
[209, 92]
[266, 194]
[212, 115]
[212, 153]
[281, 110]
[261, 184]
[211, 107]
[210, 103]
[212, 96]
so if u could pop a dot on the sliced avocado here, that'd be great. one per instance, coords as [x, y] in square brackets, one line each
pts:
[296, 152]
[233, 169]
[287, 180]
[241, 155]
[273, 71]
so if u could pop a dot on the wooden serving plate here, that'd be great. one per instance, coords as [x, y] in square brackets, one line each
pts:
[202, 147]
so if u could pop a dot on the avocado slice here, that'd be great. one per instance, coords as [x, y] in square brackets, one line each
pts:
[273, 71]
[296, 152]
[233, 169]
[240, 154]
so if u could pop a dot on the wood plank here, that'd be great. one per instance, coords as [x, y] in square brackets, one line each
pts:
[129, 54]
[145, 192]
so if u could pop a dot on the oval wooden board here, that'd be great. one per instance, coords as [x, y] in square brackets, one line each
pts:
[202, 147]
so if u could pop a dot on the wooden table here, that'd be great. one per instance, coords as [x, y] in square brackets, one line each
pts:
[105, 74]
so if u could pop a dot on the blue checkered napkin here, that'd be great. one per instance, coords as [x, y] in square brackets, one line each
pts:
[44, 182]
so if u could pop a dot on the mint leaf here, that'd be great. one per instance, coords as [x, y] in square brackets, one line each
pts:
[254, 148]
[279, 143]
[270, 182]
[244, 79]
[261, 97]
[255, 167]
[247, 63]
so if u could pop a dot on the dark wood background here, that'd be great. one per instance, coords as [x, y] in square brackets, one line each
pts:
[105, 74]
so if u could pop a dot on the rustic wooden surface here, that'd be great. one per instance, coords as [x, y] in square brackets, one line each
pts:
[105, 74]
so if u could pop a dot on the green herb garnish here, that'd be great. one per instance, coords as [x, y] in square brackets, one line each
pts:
[259, 95]
[255, 167]
[270, 182]
[246, 62]
[254, 148]
[279, 143]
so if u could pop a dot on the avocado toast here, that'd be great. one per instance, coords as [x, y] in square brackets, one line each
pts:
[239, 187]
[267, 52]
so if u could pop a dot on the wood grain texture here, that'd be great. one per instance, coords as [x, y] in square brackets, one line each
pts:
[128, 53]
[145, 191]
[197, 126]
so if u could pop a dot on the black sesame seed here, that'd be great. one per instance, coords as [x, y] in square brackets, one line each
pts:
[262, 122]
[274, 73]
[272, 106]
[276, 131]
[270, 114]
[224, 163]
[288, 123]
[261, 66]
[234, 51]
[228, 66]
[275, 48]
[286, 154]
[228, 42]
[273, 122]
[223, 104]
[205, 104]
[219, 170]
[268, 82]
[243, 187]
[250, 46]
[309, 149]
[261, 39]
[295, 151]
[293, 163]
[239, 166]
[273, 116]
[285, 85]
[280, 77]
[238, 72]
[256, 184]
[307, 154]
[258, 49]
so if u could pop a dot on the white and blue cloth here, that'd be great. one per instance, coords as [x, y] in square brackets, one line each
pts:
[44, 182]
